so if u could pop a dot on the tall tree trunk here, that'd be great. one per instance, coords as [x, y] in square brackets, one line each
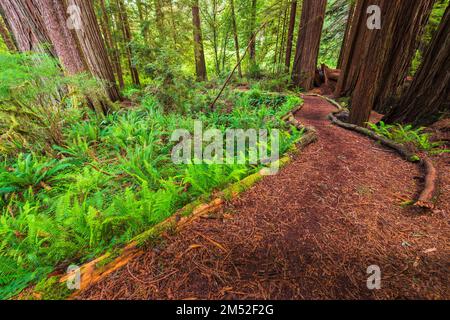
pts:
[27, 26]
[252, 40]
[429, 94]
[275, 58]
[223, 53]
[200, 65]
[353, 48]
[125, 25]
[290, 36]
[346, 34]
[93, 48]
[4, 33]
[236, 38]
[115, 55]
[384, 50]
[308, 43]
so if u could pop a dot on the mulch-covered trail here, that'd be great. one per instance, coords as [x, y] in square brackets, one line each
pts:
[309, 232]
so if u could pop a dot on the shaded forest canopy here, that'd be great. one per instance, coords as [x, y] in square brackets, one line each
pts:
[90, 92]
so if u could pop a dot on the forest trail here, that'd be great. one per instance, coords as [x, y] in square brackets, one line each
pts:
[309, 232]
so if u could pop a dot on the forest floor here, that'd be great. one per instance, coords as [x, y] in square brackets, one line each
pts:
[309, 232]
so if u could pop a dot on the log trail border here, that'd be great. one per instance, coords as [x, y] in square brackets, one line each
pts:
[429, 195]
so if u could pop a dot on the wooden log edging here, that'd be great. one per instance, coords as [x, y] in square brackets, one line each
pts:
[98, 269]
[429, 195]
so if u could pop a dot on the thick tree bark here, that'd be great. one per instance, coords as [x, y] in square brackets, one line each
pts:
[352, 51]
[290, 36]
[406, 29]
[93, 48]
[125, 25]
[236, 38]
[200, 65]
[64, 41]
[428, 97]
[75, 53]
[24, 18]
[7, 37]
[308, 43]
[384, 55]
[351, 12]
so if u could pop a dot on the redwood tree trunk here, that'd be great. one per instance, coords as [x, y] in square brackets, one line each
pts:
[428, 97]
[236, 38]
[405, 27]
[308, 43]
[346, 35]
[27, 26]
[93, 48]
[200, 65]
[290, 35]
[159, 18]
[385, 54]
[7, 37]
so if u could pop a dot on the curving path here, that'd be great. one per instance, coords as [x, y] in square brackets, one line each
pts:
[309, 232]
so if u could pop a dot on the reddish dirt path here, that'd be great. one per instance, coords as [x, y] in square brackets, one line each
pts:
[309, 232]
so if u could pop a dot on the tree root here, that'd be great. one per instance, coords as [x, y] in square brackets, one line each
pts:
[96, 270]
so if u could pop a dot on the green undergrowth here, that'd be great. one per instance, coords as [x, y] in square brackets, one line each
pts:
[416, 138]
[109, 178]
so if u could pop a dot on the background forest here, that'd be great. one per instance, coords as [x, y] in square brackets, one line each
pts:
[90, 92]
